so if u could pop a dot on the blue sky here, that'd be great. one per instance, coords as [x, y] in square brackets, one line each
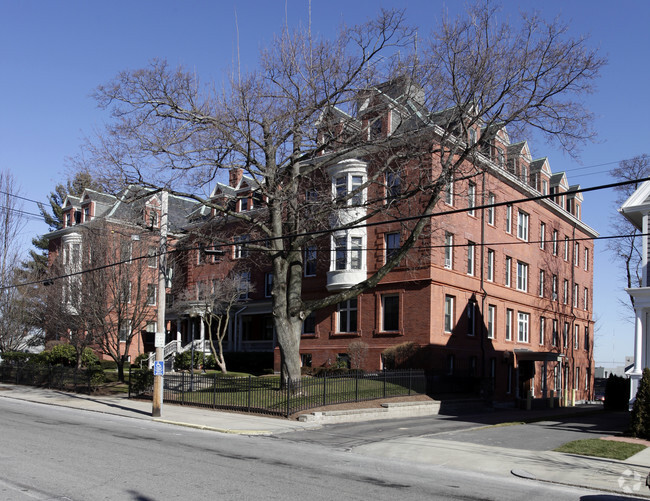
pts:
[54, 53]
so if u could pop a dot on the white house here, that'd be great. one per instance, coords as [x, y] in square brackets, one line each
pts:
[637, 210]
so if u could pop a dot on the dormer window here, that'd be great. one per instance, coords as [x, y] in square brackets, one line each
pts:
[472, 137]
[77, 216]
[376, 128]
[244, 205]
[153, 218]
[87, 213]
[501, 157]
[68, 219]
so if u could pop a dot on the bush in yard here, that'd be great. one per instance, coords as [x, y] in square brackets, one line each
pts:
[182, 361]
[140, 361]
[617, 393]
[17, 357]
[640, 420]
[141, 380]
[400, 356]
[358, 352]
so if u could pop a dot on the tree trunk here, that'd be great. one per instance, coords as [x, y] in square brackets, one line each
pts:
[288, 331]
[120, 371]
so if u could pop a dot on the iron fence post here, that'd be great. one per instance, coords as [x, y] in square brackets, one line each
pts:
[384, 383]
[182, 388]
[324, 389]
[410, 373]
[356, 386]
[250, 384]
[214, 390]
[289, 383]
[130, 372]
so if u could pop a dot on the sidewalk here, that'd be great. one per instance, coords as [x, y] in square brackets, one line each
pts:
[622, 477]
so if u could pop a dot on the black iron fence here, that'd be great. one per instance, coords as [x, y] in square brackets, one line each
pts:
[267, 396]
[56, 377]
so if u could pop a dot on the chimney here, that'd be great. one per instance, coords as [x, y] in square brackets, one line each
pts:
[236, 175]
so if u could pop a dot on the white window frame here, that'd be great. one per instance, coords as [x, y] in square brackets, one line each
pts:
[542, 276]
[585, 298]
[449, 194]
[348, 309]
[471, 318]
[586, 258]
[523, 219]
[388, 248]
[509, 219]
[491, 321]
[508, 271]
[490, 265]
[565, 292]
[576, 254]
[576, 294]
[471, 198]
[555, 242]
[449, 251]
[566, 248]
[542, 236]
[448, 322]
[471, 254]
[523, 327]
[310, 260]
[152, 298]
[491, 210]
[522, 276]
[576, 337]
[509, 318]
[542, 331]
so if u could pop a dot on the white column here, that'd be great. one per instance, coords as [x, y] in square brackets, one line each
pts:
[644, 241]
[639, 330]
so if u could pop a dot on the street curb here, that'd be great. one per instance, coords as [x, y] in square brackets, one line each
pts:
[212, 428]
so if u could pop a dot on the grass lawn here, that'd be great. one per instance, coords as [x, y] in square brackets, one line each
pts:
[601, 448]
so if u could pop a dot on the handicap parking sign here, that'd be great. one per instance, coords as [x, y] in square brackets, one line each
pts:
[159, 368]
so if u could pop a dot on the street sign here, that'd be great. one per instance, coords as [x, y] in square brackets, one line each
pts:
[159, 368]
[159, 340]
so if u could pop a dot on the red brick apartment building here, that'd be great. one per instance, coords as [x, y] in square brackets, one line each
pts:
[498, 288]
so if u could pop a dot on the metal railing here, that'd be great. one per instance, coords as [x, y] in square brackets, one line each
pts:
[266, 395]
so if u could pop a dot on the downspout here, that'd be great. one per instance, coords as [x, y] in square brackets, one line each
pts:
[483, 291]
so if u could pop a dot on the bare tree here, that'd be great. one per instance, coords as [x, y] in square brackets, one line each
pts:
[627, 249]
[124, 288]
[313, 104]
[16, 329]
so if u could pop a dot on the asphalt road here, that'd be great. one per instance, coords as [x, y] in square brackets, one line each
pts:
[541, 436]
[53, 453]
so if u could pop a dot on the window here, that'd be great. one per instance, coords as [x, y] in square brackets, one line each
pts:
[522, 226]
[87, 213]
[341, 253]
[449, 251]
[152, 259]
[244, 284]
[586, 343]
[586, 259]
[555, 333]
[471, 247]
[125, 330]
[393, 185]
[509, 313]
[449, 193]
[541, 283]
[542, 236]
[151, 294]
[576, 253]
[577, 381]
[523, 324]
[492, 316]
[508, 270]
[240, 248]
[472, 137]
[243, 204]
[126, 251]
[491, 210]
[355, 255]
[585, 299]
[68, 219]
[391, 245]
[471, 318]
[555, 242]
[153, 218]
[501, 158]
[471, 198]
[565, 292]
[544, 187]
[509, 219]
[268, 284]
[522, 276]
[576, 337]
[449, 313]
[575, 295]
[542, 330]
[349, 185]
[490, 265]
[554, 291]
[566, 248]
[310, 261]
[347, 313]
[309, 324]
[390, 312]
[565, 342]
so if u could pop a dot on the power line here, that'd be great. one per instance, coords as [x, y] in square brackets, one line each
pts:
[364, 225]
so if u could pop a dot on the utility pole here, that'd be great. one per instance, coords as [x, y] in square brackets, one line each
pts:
[160, 324]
